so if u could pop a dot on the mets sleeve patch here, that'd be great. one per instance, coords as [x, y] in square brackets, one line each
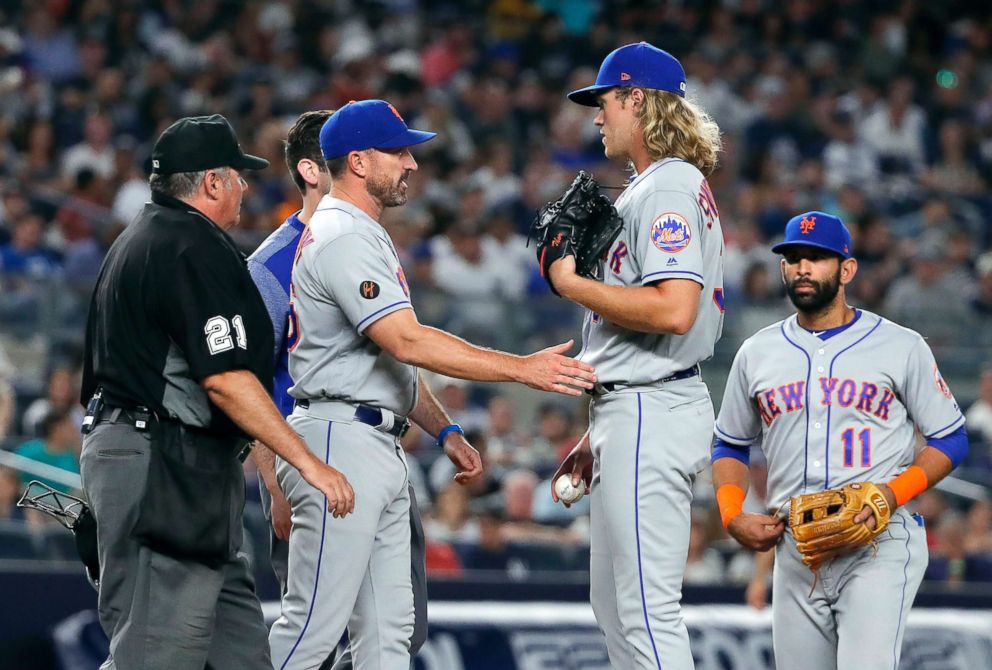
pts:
[671, 232]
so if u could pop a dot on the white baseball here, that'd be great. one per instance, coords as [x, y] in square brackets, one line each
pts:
[568, 493]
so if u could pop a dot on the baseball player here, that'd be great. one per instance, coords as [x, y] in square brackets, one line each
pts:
[835, 395]
[355, 345]
[271, 267]
[651, 321]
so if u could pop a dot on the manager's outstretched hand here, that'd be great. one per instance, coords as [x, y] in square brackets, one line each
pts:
[550, 370]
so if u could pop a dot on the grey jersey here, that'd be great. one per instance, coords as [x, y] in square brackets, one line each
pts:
[831, 412]
[671, 231]
[346, 276]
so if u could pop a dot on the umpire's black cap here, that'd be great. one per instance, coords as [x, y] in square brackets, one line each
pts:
[197, 143]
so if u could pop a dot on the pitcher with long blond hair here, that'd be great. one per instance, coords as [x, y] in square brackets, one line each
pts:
[651, 321]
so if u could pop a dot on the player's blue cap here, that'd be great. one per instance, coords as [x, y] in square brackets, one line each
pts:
[368, 124]
[639, 65]
[816, 229]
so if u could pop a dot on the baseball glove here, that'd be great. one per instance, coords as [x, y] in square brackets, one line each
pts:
[823, 523]
[582, 223]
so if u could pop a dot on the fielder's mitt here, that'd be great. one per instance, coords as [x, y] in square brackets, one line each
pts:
[582, 223]
[823, 523]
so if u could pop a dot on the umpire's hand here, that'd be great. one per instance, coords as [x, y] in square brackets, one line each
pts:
[333, 484]
[550, 370]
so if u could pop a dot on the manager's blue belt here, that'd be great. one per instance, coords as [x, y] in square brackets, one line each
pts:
[610, 387]
[372, 416]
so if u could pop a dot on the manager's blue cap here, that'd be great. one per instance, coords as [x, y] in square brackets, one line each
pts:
[368, 124]
[638, 64]
[816, 229]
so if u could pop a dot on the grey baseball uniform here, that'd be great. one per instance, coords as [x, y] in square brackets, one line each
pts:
[354, 571]
[829, 412]
[651, 418]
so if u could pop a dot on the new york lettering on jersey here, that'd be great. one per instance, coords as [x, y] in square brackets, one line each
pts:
[835, 411]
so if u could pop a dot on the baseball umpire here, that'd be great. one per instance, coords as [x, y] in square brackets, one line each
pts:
[835, 396]
[271, 269]
[654, 315]
[177, 340]
[355, 350]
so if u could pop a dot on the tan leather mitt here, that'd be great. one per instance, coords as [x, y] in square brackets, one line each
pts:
[823, 523]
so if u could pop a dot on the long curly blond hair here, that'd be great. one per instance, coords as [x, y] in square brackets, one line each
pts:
[678, 127]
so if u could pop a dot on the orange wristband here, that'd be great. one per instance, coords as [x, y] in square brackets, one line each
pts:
[730, 498]
[909, 484]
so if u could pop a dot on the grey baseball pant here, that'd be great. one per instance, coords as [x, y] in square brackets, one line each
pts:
[162, 613]
[649, 443]
[856, 615]
[352, 572]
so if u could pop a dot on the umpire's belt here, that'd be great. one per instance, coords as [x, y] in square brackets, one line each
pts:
[380, 419]
[610, 387]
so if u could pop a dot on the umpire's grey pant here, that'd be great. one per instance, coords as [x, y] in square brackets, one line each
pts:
[160, 612]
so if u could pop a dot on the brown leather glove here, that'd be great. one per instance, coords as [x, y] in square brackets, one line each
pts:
[823, 523]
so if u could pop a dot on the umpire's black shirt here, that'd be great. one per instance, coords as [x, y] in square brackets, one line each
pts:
[173, 304]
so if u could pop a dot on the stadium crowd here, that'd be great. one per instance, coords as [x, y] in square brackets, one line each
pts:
[879, 112]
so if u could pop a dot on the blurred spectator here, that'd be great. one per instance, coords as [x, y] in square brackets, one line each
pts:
[61, 395]
[951, 561]
[58, 447]
[500, 186]
[95, 152]
[932, 506]
[556, 436]
[704, 564]
[446, 56]
[10, 493]
[38, 165]
[846, 158]
[74, 220]
[7, 399]
[978, 418]
[450, 520]
[758, 289]
[26, 256]
[954, 172]
[133, 192]
[926, 300]
[520, 489]
[505, 444]
[475, 276]
[510, 248]
[745, 249]
[50, 49]
[454, 144]
[978, 538]
[981, 303]
[490, 552]
[895, 132]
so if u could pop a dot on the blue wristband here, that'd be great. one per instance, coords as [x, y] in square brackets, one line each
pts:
[453, 428]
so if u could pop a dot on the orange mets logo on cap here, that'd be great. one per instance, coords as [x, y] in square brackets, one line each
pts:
[624, 76]
[393, 110]
[807, 225]
[670, 232]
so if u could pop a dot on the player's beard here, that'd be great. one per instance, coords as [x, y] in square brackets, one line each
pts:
[390, 194]
[823, 293]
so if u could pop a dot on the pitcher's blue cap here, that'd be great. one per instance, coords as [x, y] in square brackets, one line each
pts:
[816, 229]
[639, 65]
[368, 124]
